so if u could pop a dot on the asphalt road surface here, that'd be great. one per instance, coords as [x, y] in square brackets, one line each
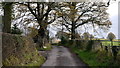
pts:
[61, 57]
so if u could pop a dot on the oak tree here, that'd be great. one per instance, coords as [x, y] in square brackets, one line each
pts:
[76, 14]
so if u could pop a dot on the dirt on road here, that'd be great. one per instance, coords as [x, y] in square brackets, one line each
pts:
[61, 57]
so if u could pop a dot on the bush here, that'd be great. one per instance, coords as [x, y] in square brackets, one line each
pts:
[81, 44]
[63, 40]
[89, 45]
[16, 30]
[19, 51]
[47, 47]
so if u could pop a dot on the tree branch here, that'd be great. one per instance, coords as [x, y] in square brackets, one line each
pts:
[65, 20]
[52, 21]
[80, 16]
[84, 22]
[67, 27]
[42, 10]
[47, 12]
[31, 10]
[38, 8]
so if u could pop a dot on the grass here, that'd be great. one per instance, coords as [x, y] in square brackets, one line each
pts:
[116, 42]
[87, 57]
[38, 62]
[44, 48]
[95, 58]
[106, 43]
[12, 60]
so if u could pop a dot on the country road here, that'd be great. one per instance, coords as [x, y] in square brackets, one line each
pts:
[61, 56]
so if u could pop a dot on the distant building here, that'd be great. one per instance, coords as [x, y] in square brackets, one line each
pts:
[55, 40]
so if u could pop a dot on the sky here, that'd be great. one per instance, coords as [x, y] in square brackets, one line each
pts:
[113, 16]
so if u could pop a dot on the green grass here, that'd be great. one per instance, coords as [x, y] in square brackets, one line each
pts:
[87, 57]
[38, 62]
[97, 58]
[106, 43]
[94, 58]
[12, 61]
[44, 48]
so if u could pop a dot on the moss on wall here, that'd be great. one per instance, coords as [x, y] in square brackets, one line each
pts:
[19, 51]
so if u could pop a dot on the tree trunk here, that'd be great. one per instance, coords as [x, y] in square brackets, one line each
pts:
[73, 30]
[43, 36]
[73, 22]
[7, 6]
[111, 43]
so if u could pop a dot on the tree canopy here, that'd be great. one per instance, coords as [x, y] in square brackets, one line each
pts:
[71, 16]
[111, 36]
[74, 14]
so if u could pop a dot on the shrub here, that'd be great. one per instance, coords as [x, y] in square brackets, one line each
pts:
[19, 51]
[63, 40]
[16, 30]
[89, 45]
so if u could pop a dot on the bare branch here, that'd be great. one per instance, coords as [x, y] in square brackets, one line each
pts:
[38, 8]
[66, 21]
[69, 29]
[31, 10]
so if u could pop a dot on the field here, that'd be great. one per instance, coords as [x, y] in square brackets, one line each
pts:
[107, 42]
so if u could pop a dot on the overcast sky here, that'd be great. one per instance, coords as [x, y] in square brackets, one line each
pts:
[113, 11]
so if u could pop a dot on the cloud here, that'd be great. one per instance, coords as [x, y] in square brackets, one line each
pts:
[113, 16]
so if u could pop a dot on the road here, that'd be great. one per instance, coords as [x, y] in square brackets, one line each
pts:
[61, 56]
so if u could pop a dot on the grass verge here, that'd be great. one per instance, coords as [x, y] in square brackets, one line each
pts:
[93, 59]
